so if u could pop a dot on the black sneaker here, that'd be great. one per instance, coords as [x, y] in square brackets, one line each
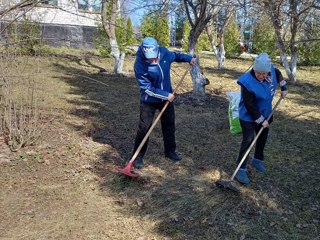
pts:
[138, 163]
[173, 156]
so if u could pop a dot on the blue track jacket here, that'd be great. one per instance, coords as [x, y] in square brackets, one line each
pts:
[154, 78]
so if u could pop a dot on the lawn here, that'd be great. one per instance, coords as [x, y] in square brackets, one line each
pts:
[65, 185]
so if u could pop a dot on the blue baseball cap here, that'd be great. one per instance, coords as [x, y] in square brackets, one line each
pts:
[150, 47]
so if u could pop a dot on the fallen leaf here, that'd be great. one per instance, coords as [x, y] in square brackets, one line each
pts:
[272, 224]
[120, 201]
[174, 218]
[140, 203]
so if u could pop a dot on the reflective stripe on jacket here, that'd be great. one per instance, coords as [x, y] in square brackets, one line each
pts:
[154, 78]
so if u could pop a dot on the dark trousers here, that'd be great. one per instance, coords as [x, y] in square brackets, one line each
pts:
[147, 112]
[249, 129]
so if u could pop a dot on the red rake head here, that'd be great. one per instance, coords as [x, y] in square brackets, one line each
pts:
[127, 171]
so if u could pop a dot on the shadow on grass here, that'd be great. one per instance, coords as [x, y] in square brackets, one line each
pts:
[229, 74]
[307, 93]
[181, 198]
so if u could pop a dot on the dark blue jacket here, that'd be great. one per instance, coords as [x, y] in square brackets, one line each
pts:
[263, 92]
[154, 78]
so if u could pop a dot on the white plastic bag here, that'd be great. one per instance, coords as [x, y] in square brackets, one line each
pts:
[233, 112]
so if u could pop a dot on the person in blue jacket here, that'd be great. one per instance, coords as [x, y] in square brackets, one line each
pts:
[152, 71]
[258, 87]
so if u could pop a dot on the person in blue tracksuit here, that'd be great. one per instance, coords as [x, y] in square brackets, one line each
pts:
[258, 87]
[152, 71]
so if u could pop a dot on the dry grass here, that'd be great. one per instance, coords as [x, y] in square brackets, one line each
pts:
[94, 130]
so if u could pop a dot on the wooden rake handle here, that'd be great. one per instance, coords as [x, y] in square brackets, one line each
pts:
[155, 121]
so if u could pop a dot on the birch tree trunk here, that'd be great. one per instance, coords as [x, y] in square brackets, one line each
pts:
[297, 12]
[220, 52]
[213, 44]
[109, 27]
[277, 24]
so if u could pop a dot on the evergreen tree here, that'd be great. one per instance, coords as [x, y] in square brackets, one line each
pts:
[156, 25]
[28, 37]
[204, 43]
[102, 43]
[130, 39]
[147, 26]
[309, 51]
[231, 38]
[186, 33]
[180, 18]
[121, 33]
[264, 39]
[162, 31]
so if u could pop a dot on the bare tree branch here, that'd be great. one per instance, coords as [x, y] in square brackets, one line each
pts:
[20, 5]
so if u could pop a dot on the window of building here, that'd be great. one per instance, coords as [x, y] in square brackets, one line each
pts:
[90, 5]
[50, 2]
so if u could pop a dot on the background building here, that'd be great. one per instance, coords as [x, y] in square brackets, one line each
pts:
[71, 23]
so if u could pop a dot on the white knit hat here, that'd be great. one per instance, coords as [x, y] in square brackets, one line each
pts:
[262, 63]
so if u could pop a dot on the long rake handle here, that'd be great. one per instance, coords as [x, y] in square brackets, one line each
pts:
[254, 141]
[155, 122]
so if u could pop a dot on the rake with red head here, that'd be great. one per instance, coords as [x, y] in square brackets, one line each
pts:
[127, 170]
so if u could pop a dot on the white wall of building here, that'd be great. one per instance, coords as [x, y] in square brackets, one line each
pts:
[62, 22]
[66, 13]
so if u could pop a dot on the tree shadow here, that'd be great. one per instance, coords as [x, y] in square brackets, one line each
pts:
[306, 93]
[87, 59]
[230, 74]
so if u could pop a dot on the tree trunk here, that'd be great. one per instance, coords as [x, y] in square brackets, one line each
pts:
[276, 17]
[283, 54]
[118, 65]
[220, 52]
[199, 14]
[222, 56]
[294, 60]
[198, 79]
[286, 66]
[217, 51]
[294, 31]
[109, 27]
[118, 56]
